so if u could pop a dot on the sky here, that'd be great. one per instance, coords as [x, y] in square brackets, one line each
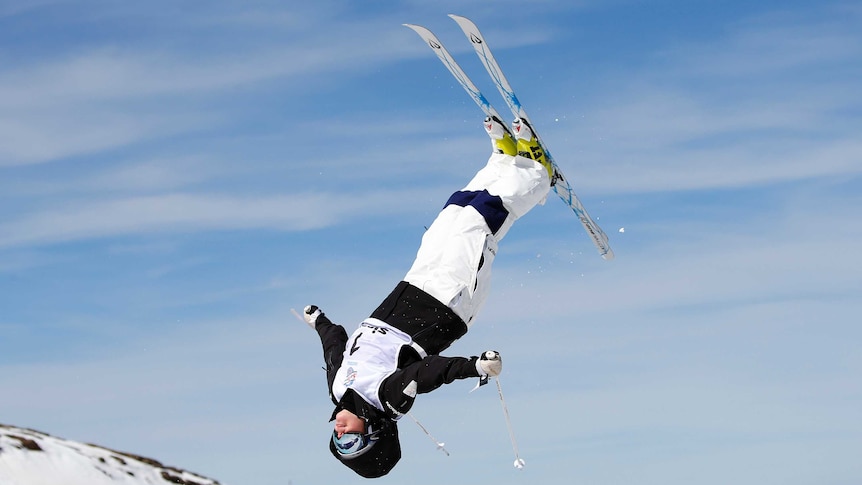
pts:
[175, 177]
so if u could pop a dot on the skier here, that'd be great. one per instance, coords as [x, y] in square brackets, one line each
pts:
[376, 373]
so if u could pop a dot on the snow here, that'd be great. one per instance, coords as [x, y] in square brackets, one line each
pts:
[29, 457]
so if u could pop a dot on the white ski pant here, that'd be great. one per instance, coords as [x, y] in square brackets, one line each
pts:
[454, 261]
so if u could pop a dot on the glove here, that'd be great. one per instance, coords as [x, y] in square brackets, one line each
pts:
[489, 363]
[310, 314]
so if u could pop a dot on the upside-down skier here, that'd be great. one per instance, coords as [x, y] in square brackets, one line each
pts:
[375, 374]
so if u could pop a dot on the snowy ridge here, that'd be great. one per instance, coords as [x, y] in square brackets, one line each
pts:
[29, 457]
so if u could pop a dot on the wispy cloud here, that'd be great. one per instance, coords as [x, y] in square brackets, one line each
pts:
[190, 212]
[84, 99]
[774, 99]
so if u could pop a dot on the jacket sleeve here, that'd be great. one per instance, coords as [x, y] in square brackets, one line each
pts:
[429, 374]
[333, 338]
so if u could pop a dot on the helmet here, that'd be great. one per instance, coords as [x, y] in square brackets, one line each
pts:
[372, 454]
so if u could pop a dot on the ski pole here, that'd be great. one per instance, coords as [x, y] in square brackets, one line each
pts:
[519, 463]
[439, 444]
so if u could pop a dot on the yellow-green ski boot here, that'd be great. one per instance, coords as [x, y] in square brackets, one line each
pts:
[529, 146]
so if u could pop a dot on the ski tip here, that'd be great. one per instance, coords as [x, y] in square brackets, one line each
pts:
[608, 255]
[464, 22]
[423, 32]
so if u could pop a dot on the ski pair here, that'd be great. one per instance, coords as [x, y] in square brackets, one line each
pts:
[560, 183]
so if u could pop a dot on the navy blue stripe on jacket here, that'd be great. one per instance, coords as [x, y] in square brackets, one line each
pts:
[489, 206]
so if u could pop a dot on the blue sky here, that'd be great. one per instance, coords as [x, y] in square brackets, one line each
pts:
[175, 177]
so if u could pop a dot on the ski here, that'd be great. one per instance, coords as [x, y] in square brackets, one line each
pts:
[459, 74]
[560, 183]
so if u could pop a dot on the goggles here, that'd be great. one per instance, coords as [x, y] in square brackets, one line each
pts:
[351, 445]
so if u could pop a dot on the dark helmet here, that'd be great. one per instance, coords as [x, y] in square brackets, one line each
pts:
[371, 454]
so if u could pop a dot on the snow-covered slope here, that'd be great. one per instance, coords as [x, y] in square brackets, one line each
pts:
[29, 457]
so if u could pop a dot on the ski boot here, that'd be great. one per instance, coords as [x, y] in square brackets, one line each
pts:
[501, 139]
[529, 146]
